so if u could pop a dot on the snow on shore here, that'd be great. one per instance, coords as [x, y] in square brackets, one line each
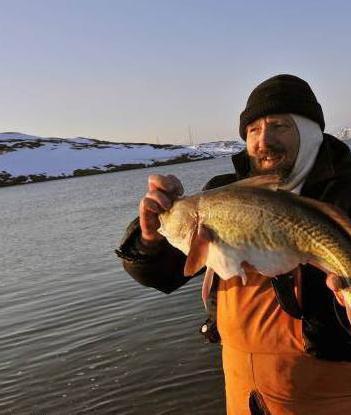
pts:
[26, 158]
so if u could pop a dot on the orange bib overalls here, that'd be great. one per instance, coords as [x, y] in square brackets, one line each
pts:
[263, 350]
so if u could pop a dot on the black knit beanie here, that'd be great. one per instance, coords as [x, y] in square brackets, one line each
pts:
[281, 94]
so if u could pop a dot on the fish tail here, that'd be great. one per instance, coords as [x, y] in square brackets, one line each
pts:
[206, 285]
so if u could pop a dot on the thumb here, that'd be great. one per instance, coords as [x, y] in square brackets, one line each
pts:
[334, 283]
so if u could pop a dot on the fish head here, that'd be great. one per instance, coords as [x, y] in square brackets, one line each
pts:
[179, 223]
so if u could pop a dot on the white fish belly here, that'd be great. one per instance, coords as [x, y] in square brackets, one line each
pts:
[226, 261]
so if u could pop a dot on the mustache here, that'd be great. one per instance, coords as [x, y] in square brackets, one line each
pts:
[271, 151]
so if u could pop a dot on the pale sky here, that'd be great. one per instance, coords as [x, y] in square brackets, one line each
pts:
[146, 70]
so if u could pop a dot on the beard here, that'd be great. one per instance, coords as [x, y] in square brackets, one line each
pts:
[281, 168]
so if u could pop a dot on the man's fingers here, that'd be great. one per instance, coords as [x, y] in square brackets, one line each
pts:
[336, 284]
[340, 298]
[149, 209]
[148, 216]
[159, 182]
[163, 200]
[168, 184]
[149, 222]
[162, 192]
[148, 204]
[177, 183]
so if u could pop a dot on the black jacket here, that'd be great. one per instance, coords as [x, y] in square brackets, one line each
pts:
[325, 325]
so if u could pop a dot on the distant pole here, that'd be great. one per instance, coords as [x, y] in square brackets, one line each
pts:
[157, 140]
[190, 136]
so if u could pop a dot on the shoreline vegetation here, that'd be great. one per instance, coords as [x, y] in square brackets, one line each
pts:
[6, 179]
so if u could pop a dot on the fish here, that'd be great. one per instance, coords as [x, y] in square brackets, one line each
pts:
[252, 222]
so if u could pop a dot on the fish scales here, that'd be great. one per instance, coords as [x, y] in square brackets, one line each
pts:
[268, 224]
[253, 216]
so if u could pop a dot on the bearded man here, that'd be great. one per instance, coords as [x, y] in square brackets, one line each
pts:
[286, 342]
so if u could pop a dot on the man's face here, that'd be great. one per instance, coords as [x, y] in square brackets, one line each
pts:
[272, 144]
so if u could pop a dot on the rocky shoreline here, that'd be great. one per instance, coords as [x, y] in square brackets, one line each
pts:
[6, 179]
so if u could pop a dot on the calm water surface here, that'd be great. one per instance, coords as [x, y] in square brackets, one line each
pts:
[78, 335]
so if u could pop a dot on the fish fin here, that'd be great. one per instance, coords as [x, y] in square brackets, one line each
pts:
[246, 270]
[333, 212]
[198, 252]
[269, 181]
[206, 285]
[243, 278]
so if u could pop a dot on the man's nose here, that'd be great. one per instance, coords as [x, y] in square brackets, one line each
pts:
[265, 139]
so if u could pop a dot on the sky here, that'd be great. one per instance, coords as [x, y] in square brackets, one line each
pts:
[163, 71]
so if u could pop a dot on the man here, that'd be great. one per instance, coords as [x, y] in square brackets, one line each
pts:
[286, 341]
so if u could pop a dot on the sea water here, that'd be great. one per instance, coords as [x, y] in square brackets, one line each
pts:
[78, 334]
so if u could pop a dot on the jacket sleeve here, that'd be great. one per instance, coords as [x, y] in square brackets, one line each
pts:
[159, 267]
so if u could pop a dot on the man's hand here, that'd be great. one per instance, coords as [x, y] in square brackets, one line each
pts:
[162, 192]
[335, 284]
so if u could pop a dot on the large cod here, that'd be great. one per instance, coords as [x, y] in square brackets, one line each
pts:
[252, 222]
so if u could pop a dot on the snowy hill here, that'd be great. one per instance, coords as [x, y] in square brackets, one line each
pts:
[220, 148]
[25, 158]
